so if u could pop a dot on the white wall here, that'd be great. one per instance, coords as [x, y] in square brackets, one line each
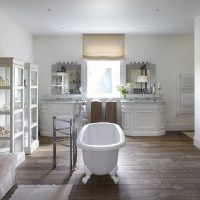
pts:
[15, 41]
[197, 82]
[51, 49]
[170, 54]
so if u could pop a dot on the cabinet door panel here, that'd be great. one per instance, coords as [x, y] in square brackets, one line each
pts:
[44, 120]
[127, 120]
[161, 119]
[145, 119]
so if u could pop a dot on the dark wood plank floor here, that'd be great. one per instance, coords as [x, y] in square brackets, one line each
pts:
[150, 168]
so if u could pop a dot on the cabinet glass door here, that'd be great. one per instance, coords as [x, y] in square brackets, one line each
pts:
[33, 133]
[19, 144]
[4, 76]
[25, 137]
[18, 72]
[18, 122]
[33, 96]
[4, 100]
[34, 78]
[18, 101]
[33, 116]
[4, 145]
[31, 108]
[5, 125]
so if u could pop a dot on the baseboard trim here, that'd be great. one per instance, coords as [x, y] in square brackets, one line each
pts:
[144, 133]
[174, 127]
[196, 142]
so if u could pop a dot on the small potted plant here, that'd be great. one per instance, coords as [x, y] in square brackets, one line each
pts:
[123, 89]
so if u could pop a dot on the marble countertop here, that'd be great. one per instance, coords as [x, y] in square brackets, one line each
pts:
[61, 100]
[142, 100]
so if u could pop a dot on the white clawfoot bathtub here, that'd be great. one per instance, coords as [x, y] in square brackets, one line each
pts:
[100, 143]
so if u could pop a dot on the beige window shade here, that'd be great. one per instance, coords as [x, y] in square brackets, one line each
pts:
[103, 46]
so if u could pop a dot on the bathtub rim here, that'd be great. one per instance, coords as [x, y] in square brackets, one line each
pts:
[81, 143]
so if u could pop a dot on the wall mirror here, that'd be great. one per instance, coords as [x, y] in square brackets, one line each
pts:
[141, 76]
[66, 78]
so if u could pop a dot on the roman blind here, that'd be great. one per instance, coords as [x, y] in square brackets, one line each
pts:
[103, 46]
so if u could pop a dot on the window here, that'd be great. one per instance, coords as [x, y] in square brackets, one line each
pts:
[103, 78]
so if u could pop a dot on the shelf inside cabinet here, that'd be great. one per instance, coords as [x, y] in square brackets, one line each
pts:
[4, 112]
[5, 87]
[4, 137]
[18, 111]
[33, 105]
[33, 125]
[18, 134]
[5, 150]
[57, 85]
[34, 86]
[19, 87]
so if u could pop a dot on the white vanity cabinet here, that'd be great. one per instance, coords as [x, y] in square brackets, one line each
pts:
[143, 118]
[48, 109]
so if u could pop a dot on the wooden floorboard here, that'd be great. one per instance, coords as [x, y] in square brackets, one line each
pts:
[150, 168]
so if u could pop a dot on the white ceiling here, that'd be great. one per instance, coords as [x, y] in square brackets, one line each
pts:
[103, 16]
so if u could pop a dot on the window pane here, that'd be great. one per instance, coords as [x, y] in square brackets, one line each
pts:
[103, 78]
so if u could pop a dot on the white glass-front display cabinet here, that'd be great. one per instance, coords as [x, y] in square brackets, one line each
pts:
[5, 109]
[12, 107]
[31, 141]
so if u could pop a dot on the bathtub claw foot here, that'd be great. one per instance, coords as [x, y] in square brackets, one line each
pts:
[85, 179]
[88, 175]
[113, 175]
[115, 179]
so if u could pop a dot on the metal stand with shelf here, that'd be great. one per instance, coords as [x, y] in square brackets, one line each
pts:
[69, 127]
[31, 141]
[12, 107]
[64, 126]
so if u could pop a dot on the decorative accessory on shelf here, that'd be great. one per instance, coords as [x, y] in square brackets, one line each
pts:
[142, 79]
[158, 90]
[123, 89]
